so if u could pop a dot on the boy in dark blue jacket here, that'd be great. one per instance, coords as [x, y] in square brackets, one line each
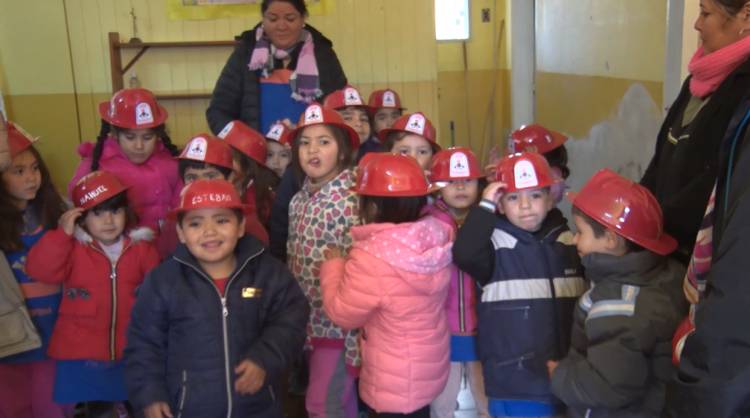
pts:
[214, 325]
[530, 277]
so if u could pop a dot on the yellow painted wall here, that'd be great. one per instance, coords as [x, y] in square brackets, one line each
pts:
[379, 43]
[37, 81]
[589, 52]
[474, 80]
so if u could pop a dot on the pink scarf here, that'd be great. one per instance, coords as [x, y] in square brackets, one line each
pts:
[304, 81]
[710, 70]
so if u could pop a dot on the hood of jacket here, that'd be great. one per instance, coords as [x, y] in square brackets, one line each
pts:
[637, 268]
[135, 235]
[416, 250]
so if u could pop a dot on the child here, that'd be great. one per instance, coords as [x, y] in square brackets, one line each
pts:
[411, 135]
[385, 108]
[393, 285]
[29, 206]
[206, 158]
[620, 358]
[255, 181]
[549, 143]
[100, 265]
[457, 172]
[320, 216]
[530, 275]
[215, 324]
[279, 153]
[349, 104]
[134, 146]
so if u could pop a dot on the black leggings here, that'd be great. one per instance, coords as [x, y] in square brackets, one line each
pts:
[419, 413]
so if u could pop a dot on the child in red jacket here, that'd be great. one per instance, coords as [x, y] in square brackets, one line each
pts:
[100, 265]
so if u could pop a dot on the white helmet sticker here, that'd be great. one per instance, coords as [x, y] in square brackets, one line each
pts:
[313, 114]
[351, 97]
[196, 149]
[524, 175]
[224, 132]
[275, 132]
[416, 124]
[143, 114]
[389, 99]
[459, 165]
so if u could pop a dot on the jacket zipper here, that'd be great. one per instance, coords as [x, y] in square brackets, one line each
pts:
[461, 307]
[113, 311]
[559, 349]
[224, 316]
[113, 323]
[183, 395]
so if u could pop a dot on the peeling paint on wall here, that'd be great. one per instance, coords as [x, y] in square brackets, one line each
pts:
[624, 143]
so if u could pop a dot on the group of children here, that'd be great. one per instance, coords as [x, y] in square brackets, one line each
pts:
[408, 269]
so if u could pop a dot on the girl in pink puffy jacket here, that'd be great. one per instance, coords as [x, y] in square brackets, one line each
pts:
[456, 171]
[134, 146]
[393, 286]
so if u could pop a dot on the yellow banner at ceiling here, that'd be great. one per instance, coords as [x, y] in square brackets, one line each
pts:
[217, 9]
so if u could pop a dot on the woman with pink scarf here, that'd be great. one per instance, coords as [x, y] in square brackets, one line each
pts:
[701, 175]
[276, 70]
[683, 170]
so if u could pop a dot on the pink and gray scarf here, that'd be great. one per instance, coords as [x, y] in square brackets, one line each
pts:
[304, 82]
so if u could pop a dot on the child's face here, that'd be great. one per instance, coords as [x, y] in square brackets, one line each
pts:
[23, 178]
[207, 173]
[211, 235]
[415, 146]
[587, 242]
[278, 157]
[357, 119]
[527, 208]
[460, 194]
[137, 144]
[385, 118]
[105, 225]
[319, 154]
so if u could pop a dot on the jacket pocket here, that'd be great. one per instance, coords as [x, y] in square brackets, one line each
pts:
[78, 307]
[520, 377]
[13, 327]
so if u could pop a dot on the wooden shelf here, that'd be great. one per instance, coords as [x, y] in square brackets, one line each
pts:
[118, 71]
[196, 44]
[182, 95]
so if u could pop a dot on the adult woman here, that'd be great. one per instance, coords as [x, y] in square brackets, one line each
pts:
[714, 375]
[276, 69]
[683, 169]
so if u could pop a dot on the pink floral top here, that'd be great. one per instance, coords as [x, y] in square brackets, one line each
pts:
[318, 221]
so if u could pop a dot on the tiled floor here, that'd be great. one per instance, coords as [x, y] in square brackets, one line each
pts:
[294, 406]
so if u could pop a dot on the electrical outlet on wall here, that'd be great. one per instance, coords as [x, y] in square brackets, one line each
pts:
[485, 15]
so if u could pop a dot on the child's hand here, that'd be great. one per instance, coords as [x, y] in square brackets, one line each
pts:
[289, 124]
[158, 410]
[489, 172]
[332, 253]
[68, 220]
[251, 378]
[494, 191]
[552, 366]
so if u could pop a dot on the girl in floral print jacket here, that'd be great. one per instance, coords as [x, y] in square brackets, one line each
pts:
[320, 216]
